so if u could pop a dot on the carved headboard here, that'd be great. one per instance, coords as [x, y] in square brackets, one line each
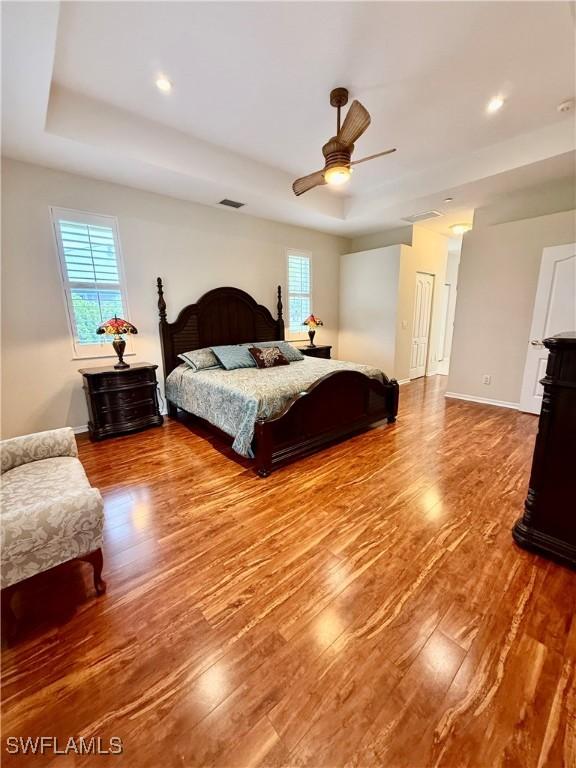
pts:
[221, 316]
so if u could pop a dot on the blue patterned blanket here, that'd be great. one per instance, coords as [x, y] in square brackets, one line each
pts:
[234, 400]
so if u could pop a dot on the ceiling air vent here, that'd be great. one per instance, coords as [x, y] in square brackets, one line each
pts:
[416, 217]
[231, 203]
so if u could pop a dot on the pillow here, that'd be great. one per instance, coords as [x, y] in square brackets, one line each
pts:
[234, 356]
[288, 350]
[268, 357]
[200, 359]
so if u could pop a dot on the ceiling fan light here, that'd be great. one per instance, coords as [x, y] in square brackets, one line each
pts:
[337, 175]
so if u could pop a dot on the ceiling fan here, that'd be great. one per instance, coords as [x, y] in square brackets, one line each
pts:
[338, 151]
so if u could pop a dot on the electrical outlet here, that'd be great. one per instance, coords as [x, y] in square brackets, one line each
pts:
[404, 325]
[486, 379]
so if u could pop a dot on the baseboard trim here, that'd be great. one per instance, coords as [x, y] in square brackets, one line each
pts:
[483, 400]
[403, 381]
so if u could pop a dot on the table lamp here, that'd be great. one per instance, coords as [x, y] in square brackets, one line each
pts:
[116, 326]
[312, 323]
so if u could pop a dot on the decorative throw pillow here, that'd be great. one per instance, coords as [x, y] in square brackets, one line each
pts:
[268, 357]
[288, 350]
[200, 359]
[234, 356]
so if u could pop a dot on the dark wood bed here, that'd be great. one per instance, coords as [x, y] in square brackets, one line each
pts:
[335, 406]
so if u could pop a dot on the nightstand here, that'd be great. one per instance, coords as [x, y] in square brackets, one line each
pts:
[122, 400]
[320, 350]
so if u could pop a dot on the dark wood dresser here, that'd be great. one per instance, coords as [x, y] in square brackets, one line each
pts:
[548, 525]
[121, 401]
[321, 350]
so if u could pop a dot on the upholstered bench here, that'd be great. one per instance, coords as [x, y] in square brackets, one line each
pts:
[50, 514]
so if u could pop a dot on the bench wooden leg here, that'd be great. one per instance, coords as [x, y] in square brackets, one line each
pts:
[97, 561]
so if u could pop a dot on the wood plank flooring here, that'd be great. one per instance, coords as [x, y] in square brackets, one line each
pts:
[363, 607]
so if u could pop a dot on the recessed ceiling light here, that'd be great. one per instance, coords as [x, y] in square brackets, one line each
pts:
[460, 229]
[163, 84]
[495, 104]
[448, 199]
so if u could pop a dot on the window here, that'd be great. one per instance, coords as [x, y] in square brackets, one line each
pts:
[299, 291]
[92, 276]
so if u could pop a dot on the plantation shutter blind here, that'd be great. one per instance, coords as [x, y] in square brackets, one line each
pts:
[92, 276]
[299, 290]
[89, 253]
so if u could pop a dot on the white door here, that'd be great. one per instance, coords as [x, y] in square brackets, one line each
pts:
[554, 312]
[421, 324]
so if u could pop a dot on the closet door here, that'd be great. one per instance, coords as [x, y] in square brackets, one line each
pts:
[421, 324]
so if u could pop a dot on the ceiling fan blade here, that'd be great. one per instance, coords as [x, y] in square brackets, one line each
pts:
[355, 123]
[308, 182]
[371, 157]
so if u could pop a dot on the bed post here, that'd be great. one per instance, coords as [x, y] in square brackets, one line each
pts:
[279, 313]
[263, 455]
[161, 302]
[393, 401]
[164, 341]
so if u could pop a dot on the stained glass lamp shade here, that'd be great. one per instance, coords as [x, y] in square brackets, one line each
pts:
[312, 322]
[116, 327]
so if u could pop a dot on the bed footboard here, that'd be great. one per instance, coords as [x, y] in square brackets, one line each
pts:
[334, 406]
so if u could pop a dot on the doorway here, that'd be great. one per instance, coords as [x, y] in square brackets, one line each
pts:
[554, 312]
[424, 292]
[448, 305]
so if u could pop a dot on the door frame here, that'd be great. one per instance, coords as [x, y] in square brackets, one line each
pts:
[447, 296]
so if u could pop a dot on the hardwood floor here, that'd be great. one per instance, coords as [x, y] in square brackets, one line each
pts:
[363, 607]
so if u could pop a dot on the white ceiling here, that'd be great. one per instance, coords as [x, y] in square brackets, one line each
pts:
[249, 110]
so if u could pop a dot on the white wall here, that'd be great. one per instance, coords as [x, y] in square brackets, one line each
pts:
[428, 253]
[377, 293]
[551, 197]
[192, 247]
[398, 236]
[368, 307]
[496, 289]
